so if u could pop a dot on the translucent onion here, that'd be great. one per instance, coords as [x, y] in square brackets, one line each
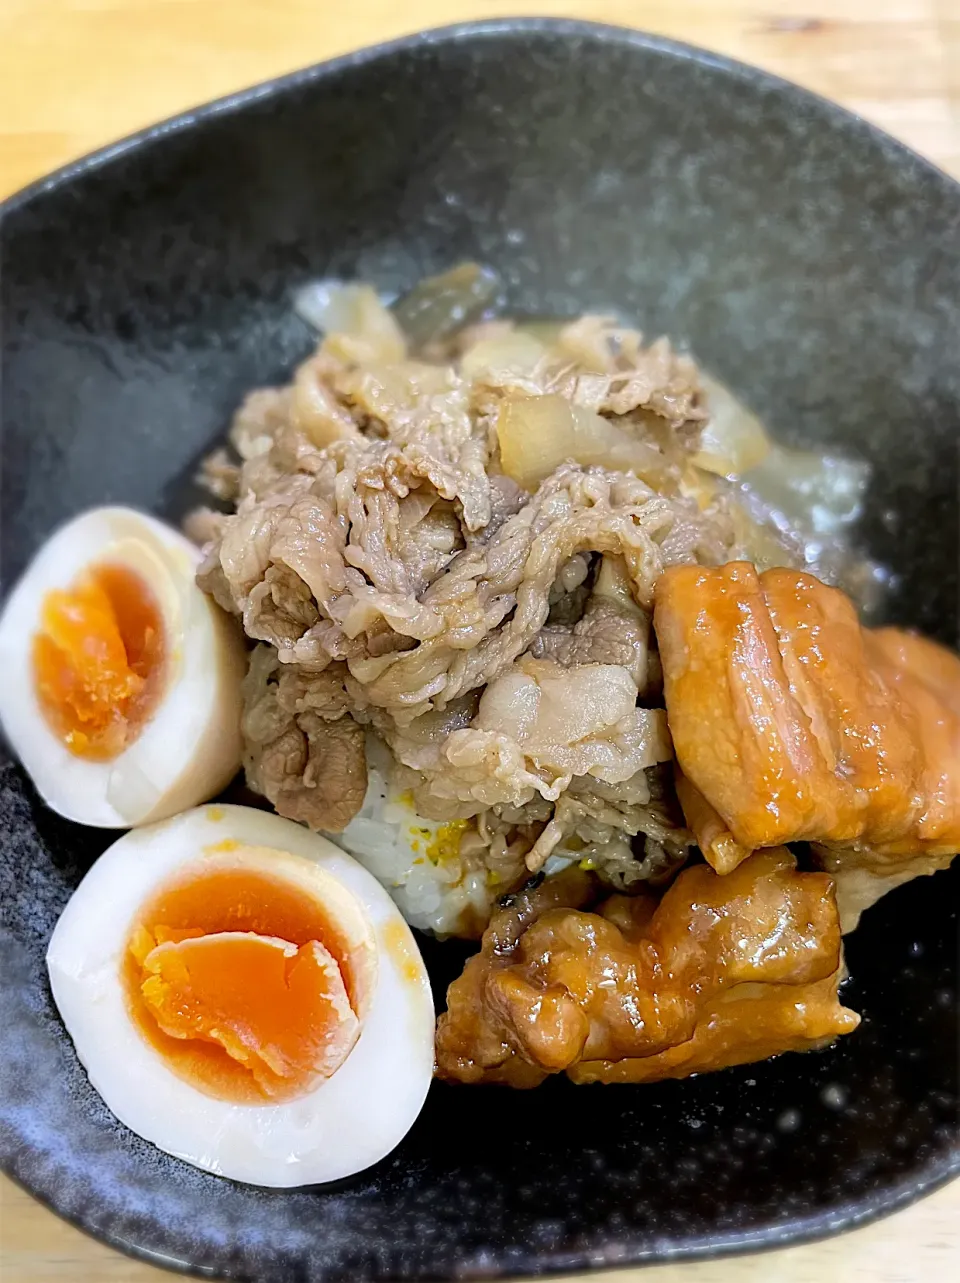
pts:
[353, 312]
[734, 439]
[439, 305]
[513, 352]
[759, 541]
[538, 433]
[821, 493]
[545, 331]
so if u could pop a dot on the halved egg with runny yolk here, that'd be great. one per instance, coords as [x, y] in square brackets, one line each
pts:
[249, 981]
[246, 996]
[121, 690]
[99, 660]
[278, 1010]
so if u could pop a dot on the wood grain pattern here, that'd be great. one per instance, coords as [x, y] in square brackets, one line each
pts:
[75, 74]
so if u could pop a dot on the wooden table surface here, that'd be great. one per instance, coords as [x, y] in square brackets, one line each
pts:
[75, 74]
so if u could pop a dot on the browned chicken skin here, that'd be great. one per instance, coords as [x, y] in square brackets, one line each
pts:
[723, 970]
[790, 722]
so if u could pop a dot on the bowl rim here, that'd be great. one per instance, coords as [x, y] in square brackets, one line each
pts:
[798, 1229]
[460, 33]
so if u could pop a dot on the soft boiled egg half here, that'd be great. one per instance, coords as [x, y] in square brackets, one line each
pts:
[247, 997]
[121, 678]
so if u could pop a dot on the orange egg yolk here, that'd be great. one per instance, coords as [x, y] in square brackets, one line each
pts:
[243, 984]
[98, 661]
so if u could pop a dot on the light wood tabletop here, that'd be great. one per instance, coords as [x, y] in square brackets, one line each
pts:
[75, 74]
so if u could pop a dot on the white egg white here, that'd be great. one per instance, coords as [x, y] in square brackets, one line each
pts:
[191, 747]
[343, 1124]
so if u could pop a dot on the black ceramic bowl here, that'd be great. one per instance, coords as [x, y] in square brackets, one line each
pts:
[809, 261]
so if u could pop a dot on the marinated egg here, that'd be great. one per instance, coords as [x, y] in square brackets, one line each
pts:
[246, 997]
[121, 678]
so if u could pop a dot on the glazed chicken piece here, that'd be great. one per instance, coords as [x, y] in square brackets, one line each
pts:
[721, 971]
[790, 722]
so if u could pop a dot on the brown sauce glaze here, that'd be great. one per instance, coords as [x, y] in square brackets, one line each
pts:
[720, 971]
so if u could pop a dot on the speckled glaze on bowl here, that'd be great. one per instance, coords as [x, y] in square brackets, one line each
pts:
[808, 260]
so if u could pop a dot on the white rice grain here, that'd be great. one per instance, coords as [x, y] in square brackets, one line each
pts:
[417, 860]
